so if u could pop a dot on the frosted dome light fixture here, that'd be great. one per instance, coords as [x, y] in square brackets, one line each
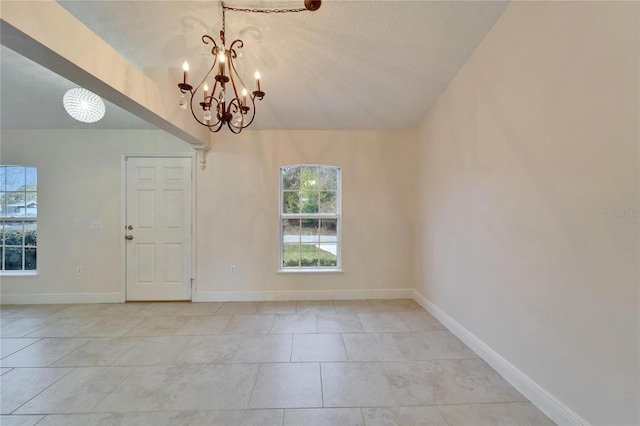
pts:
[83, 105]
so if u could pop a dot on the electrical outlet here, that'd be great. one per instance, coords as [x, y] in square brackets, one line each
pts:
[79, 271]
[233, 269]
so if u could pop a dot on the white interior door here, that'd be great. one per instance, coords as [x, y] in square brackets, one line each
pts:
[158, 228]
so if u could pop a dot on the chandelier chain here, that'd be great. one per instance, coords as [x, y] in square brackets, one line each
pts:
[250, 10]
[239, 9]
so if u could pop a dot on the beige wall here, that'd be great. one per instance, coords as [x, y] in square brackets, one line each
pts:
[237, 212]
[238, 220]
[521, 158]
[79, 179]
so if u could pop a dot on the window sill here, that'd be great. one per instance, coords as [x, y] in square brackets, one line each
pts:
[18, 274]
[310, 271]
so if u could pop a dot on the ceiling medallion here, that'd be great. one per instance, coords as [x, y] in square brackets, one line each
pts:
[229, 101]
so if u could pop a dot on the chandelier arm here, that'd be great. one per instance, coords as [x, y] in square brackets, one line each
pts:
[253, 111]
[195, 90]
[232, 70]
[197, 118]
[215, 60]
[232, 66]
[233, 129]
[250, 96]
[232, 47]
[237, 109]
[208, 37]
[219, 124]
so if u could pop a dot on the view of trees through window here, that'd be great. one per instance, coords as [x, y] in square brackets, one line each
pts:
[18, 218]
[310, 215]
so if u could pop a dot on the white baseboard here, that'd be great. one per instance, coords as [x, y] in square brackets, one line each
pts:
[60, 298]
[251, 296]
[221, 296]
[540, 397]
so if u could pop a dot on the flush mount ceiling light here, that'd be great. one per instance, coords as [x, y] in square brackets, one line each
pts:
[229, 104]
[83, 105]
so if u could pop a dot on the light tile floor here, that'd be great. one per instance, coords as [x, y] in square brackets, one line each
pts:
[360, 362]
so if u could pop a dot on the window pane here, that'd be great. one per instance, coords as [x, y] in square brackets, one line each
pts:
[3, 180]
[1, 234]
[291, 178]
[15, 178]
[31, 202]
[30, 259]
[31, 233]
[13, 233]
[31, 177]
[328, 254]
[290, 202]
[308, 178]
[327, 202]
[291, 255]
[291, 230]
[3, 204]
[309, 202]
[309, 254]
[291, 243]
[310, 230]
[310, 240]
[13, 258]
[328, 178]
[15, 204]
[329, 230]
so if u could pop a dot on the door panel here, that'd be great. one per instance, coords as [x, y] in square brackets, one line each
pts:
[158, 214]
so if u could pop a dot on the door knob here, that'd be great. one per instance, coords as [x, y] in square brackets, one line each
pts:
[128, 237]
[130, 227]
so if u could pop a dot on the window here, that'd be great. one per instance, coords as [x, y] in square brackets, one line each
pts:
[310, 217]
[18, 218]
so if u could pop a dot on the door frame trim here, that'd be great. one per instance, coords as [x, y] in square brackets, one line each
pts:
[123, 215]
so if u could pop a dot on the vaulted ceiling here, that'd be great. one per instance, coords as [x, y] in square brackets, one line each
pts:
[351, 65]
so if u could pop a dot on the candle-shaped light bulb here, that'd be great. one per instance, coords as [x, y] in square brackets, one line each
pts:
[244, 96]
[185, 68]
[221, 58]
[258, 81]
[206, 91]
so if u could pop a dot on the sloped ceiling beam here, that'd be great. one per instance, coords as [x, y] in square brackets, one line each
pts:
[46, 33]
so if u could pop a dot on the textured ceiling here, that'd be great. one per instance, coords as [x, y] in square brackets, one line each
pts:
[31, 98]
[355, 65]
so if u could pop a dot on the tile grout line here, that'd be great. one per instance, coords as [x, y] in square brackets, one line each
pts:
[253, 388]
[36, 395]
[321, 385]
[115, 387]
[32, 343]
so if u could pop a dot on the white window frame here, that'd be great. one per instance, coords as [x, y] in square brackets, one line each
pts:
[23, 246]
[337, 216]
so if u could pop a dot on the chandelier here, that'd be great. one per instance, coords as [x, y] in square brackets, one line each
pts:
[229, 101]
